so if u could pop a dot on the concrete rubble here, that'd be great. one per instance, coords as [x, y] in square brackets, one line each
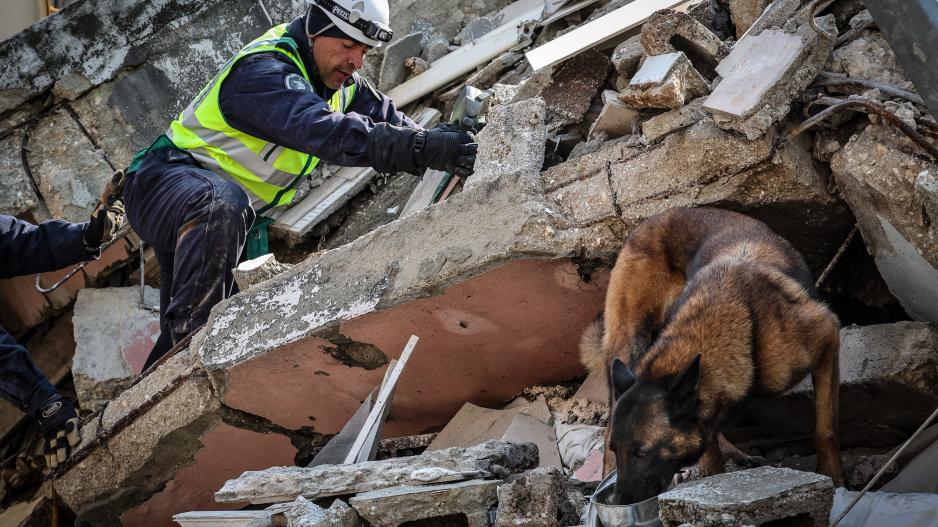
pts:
[498, 277]
[749, 497]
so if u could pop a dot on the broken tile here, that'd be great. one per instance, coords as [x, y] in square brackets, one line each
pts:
[592, 468]
[493, 459]
[397, 505]
[749, 497]
[664, 81]
[537, 498]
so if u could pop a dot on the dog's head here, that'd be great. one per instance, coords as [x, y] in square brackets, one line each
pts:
[654, 430]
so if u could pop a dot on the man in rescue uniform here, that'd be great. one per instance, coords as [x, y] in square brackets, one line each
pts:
[282, 103]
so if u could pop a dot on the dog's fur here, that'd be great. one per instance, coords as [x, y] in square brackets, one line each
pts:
[707, 308]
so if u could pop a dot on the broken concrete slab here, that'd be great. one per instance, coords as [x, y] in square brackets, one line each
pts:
[69, 170]
[776, 14]
[304, 513]
[671, 121]
[512, 143]
[567, 88]
[892, 190]
[398, 505]
[615, 120]
[664, 81]
[113, 337]
[764, 73]
[252, 272]
[493, 459]
[537, 498]
[393, 71]
[749, 497]
[667, 29]
[627, 56]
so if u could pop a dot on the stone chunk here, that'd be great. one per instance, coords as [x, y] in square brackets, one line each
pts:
[764, 73]
[869, 57]
[113, 337]
[394, 506]
[538, 498]
[749, 497]
[627, 56]
[258, 270]
[512, 142]
[664, 81]
[304, 513]
[16, 192]
[668, 26]
[744, 13]
[491, 459]
[393, 71]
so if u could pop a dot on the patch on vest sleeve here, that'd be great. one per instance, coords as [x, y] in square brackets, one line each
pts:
[294, 81]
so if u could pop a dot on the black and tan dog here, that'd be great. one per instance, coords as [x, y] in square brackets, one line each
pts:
[707, 308]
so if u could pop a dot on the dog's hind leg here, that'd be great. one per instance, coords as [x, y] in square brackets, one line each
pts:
[826, 378]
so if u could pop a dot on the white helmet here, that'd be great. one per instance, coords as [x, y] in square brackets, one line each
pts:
[367, 21]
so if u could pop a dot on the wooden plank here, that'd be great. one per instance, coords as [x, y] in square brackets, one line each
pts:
[596, 32]
[384, 399]
[464, 60]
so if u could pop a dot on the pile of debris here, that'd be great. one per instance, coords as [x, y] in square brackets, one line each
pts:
[594, 115]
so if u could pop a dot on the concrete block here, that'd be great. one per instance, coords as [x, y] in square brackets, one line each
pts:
[512, 143]
[869, 57]
[69, 171]
[749, 497]
[665, 27]
[627, 56]
[664, 81]
[493, 459]
[671, 121]
[397, 505]
[304, 513]
[764, 73]
[537, 498]
[393, 71]
[615, 120]
[113, 337]
[587, 201]
[892, 193]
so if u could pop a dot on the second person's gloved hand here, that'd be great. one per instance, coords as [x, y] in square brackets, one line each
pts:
[59, 423]
[446, 148]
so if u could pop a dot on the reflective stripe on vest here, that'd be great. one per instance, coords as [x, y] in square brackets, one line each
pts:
[268, 171]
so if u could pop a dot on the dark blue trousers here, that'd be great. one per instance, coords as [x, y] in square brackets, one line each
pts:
[197, 222]
[22, 383]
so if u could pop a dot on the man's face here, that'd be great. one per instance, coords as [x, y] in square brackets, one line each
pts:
[337, 58]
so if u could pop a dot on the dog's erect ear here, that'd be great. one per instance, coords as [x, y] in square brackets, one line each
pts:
[682, 394]
[621, 378]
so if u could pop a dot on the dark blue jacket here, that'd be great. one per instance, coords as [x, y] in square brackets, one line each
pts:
[25, 249]
[256, 100]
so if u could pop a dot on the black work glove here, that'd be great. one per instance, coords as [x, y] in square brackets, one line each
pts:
[446, 148]
[105, 221]
[58, 421]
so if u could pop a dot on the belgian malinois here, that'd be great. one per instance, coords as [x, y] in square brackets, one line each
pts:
[705, 309]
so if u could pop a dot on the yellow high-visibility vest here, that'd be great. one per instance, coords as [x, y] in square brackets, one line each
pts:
[268, 171]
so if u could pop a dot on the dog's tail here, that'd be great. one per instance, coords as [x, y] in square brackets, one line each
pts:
[591, 346]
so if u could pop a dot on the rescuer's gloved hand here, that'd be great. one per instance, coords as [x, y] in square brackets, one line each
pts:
[104, 223]
[446, 148]
[59, 423]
